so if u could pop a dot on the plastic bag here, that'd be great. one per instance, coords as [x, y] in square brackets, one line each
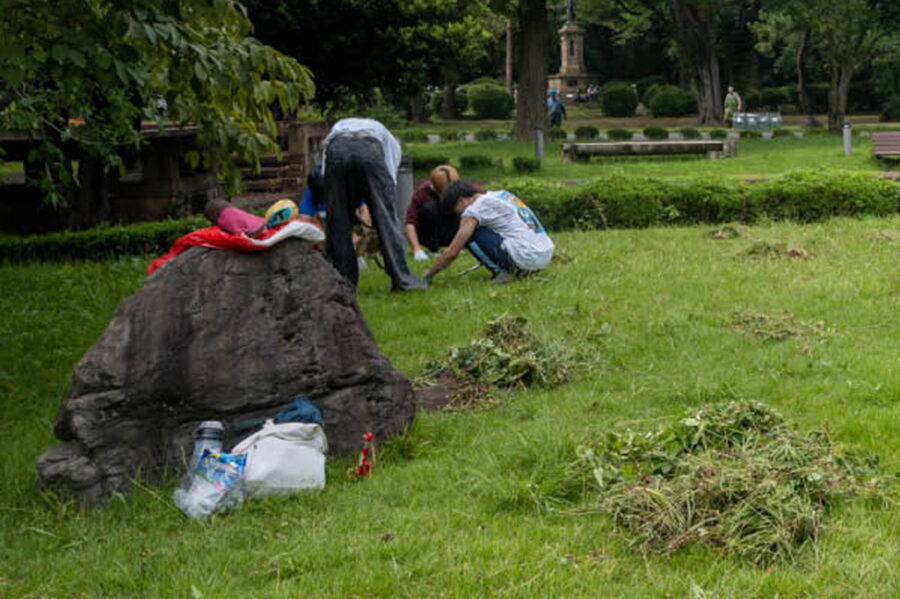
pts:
[215, 484]
[284, 457]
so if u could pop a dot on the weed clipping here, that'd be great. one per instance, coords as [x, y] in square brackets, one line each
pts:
[504, 355]
[735, 476]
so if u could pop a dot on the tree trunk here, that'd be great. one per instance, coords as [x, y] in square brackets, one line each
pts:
[802, 95]
[531, 107]
[448, 102]
[417, 109]
[93, 197]
[841, 75]
[509, 57]
[696, 39]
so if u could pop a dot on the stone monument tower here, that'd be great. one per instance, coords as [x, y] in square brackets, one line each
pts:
[573, 73]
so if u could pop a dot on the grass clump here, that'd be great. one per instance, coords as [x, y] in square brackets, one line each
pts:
[764, 249]
[778, 327]
[734, 476]
[504, 355]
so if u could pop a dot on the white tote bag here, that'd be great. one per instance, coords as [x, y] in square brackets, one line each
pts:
[284, 457]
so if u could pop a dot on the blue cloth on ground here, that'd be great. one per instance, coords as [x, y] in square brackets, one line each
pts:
[300, 410]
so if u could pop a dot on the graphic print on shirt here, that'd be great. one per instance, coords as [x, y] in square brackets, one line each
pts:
[524, 212]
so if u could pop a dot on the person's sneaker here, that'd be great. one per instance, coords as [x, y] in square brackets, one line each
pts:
[502, 278]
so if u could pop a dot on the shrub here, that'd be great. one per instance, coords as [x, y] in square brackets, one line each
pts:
[645, 83]
[524, 164]
[558, 134]
[450, 136]
[782, 133]
[751, 134]
[656, 133]
[669, 100]
[413, 136]
[890, 110]
[718, 134]
[485, 135]
[471, 161]
[618, 99]
[460, 102]
[690, 133]
[773, 97]
[619, 134]
[587, 132]
[427, 162]
[489, 101]
[648, 94]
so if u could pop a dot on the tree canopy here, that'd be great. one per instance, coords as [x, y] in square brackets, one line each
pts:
[103, 64]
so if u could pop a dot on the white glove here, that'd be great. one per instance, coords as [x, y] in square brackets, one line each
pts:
[420, 256]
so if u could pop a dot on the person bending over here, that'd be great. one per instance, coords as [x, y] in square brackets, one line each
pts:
[426, 224]
[498, 229]
[361, 159]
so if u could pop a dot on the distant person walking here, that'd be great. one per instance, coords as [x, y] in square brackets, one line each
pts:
[555, 108]
[733, 103]
[361, 161]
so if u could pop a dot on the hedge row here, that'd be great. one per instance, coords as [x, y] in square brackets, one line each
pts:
[631, 202]
[610, 202]
[102, 242]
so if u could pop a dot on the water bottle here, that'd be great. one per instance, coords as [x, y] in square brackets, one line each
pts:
[209, 435]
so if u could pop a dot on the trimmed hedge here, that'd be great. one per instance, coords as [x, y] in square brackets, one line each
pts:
[489, 101]
[626, 202]
[611, 202]
[485, 135]
[669, 100]
[524, 164]
[689, 133]
[475, 161]
[656, 133]
[427, 163]
[556, 133]
[619, 134]
[587, 132]
[102, 242]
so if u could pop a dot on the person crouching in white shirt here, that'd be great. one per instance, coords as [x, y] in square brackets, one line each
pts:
[498, 229]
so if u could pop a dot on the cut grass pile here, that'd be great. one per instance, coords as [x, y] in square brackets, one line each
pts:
[780, 326]
[735, 476]
[504, 355]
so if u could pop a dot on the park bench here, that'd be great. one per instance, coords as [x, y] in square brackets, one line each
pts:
[713, 148]
[885, 143]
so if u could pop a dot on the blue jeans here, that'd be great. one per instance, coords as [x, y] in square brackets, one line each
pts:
[485, 244]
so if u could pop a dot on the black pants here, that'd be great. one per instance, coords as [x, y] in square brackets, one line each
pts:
[355, 170]
[435, 229]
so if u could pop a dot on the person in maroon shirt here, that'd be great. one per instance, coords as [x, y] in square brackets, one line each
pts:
[426, 225]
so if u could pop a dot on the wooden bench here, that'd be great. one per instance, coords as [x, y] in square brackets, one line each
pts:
[713, 148]
[885, 143]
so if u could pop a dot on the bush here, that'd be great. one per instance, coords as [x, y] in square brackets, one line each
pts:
[485, 135]
[613, 202]
[718, 134]
[460, 103]
[412, 136]
[690, 133]
[618, 99]
[489, 101]
[558, 134]
[772, 97]
[645, 83]
[471, 161]
[669, 100]
[656, 133]
[782, 133]
[619, 134]
[751, 134]
[587, 132]
[890, 111]
[450, 136]
[524, 164]
[427, 163]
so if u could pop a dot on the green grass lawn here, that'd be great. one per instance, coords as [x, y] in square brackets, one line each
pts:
[465, 504]
[757, 158]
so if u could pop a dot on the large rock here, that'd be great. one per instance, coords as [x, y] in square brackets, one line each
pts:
[219, 335]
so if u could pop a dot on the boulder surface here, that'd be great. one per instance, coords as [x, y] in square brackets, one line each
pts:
[220, 335]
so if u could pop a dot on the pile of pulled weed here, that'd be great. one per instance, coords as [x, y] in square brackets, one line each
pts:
[780, 326]
[504, 355]
[735, 476]
[764, 249]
